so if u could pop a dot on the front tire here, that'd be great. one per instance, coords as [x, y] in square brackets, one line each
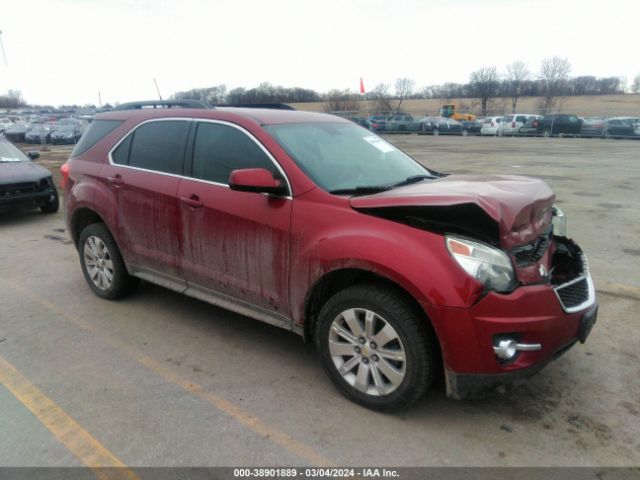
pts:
[436, 132]
[102, 264]
[375, 347]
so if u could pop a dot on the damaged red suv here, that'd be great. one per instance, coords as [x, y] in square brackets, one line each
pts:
[313, 224]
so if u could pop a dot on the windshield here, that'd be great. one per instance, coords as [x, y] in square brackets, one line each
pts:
[9, 153]
[344, 156]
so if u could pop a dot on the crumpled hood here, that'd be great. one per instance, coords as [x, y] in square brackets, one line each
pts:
[521, 206]
[21, 172]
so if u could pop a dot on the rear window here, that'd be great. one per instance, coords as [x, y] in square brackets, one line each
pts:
[508, 118]
[96, 132]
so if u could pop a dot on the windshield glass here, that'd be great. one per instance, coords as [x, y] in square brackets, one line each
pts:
[9, 153]
[342, 156]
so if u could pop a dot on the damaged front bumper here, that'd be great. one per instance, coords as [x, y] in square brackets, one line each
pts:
[553, 316]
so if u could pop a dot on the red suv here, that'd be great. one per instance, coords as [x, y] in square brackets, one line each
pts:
[314, 224]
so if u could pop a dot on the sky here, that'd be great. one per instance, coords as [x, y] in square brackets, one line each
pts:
[66, 51]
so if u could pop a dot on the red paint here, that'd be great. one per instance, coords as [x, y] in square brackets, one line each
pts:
[272, 250]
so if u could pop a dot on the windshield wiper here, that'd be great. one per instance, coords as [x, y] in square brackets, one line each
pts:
[410, 180]
[361, 190]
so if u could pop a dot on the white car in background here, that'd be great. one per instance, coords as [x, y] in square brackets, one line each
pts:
[490, 126]
[5, 123]
[511, 124]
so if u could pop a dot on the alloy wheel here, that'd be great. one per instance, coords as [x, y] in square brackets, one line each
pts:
[98, 262]
[367, 351]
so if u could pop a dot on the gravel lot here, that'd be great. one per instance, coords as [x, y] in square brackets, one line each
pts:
[164, 380]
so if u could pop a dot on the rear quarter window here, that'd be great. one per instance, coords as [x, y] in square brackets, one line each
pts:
[96, 132]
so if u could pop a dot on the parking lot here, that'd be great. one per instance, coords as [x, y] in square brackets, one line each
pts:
[160, 379]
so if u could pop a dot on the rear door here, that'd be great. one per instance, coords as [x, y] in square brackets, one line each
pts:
[236, 243]
[144, 174]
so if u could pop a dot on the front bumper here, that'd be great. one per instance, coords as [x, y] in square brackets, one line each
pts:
[553, 316]
[38, 196]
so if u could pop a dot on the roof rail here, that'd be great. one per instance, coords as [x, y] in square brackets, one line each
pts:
[273, 106]
[162, 104]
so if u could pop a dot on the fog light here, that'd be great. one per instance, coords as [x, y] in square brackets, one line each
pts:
[506, 349]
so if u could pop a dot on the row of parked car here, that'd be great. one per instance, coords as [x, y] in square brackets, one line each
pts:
[562, 124]
[514, 124]
[37, 129]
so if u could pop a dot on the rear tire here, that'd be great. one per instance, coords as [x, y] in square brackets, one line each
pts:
[435, 132]
[376, 348]
[102, 264]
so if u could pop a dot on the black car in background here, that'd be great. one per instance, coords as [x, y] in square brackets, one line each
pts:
[24, 184]
[65, 134]
[556, 124]
[440, 126]
[39, 133]
[471, 127]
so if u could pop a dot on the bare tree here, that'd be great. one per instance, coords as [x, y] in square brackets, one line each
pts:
[554, 74]
[12, 99]
[516, 74]
[380, 95]
[404, 88]
[484, 85]
[635, 86]
[341, 101]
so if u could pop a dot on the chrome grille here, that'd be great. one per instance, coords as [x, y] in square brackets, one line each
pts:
[573, 294]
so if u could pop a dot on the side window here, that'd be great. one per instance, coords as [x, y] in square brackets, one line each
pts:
[220, 149]
[121, 154]
[160, 146]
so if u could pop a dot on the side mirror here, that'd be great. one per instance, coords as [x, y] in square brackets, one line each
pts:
[33, 154]
[256, 180]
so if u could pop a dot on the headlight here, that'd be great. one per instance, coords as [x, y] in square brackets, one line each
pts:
[490, 266]
[559, 222]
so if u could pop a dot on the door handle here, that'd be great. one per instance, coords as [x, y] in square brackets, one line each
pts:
[116, 179]
[193, 201]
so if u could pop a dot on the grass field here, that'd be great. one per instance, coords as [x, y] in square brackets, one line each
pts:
[593, 105]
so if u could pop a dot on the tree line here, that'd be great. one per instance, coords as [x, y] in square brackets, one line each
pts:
[551, 83]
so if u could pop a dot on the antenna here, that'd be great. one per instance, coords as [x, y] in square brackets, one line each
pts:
[161, 101]
[4, 55]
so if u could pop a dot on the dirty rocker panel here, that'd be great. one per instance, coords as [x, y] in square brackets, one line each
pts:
[216, 298]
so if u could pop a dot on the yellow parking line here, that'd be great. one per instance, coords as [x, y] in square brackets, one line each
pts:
[79, 442]
[252, 422]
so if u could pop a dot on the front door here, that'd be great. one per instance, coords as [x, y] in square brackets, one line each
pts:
[236, 243]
